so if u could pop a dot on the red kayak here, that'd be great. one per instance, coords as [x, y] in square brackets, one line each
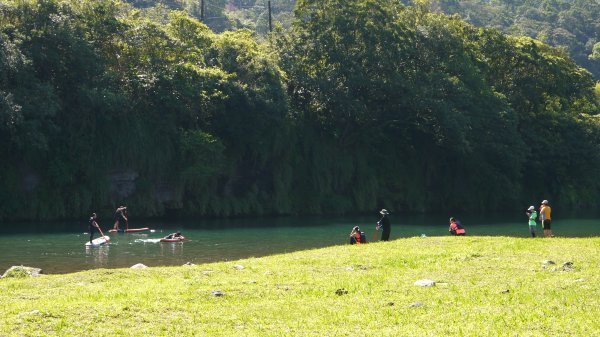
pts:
[179, 239]
[130, 230]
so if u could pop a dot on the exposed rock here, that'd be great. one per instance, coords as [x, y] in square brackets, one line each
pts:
[22, 271]
[358, 267]
[238, 267]
[425, 283]
[189, 264]
[251, 282]
[416, 304]
[341, 292]
[549, 262]
[217, 293]
[505, 291]
[567, 266]
[122, 183]
[139, 266]
[31, 181]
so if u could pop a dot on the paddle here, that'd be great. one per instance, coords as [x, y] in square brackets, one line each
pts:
[100, 230]
[375, 233]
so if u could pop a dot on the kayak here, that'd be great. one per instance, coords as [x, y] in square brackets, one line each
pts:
[98, 241]
[173, 240]
[130, 230]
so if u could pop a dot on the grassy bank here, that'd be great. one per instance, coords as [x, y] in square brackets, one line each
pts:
[487, 286]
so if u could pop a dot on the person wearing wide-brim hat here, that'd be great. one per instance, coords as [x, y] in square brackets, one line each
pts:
[384, 224]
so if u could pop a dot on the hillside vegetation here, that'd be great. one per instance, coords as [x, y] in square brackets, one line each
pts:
[573, 26]
[359, 105]
[485, 287]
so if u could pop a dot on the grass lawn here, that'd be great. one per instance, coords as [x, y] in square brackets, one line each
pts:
[486, 286]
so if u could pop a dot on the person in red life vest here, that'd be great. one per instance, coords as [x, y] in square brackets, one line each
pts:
[456, 228]
[357, 237]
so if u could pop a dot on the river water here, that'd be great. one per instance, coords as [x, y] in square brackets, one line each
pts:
[59, 247]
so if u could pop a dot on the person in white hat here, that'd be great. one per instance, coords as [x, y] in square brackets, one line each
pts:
[532, 215]
[384, 224]
[545, 216]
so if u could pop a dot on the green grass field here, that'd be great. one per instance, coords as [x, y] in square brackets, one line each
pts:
[486, 286]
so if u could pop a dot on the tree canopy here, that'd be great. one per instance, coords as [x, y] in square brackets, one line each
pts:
[358, 105]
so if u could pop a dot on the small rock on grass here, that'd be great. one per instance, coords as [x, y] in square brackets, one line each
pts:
[238, 267]
[341, 292]
[139, 266]
[425, 283]
[21, 272]
[217, 293]
[416, 304]
[549, 262]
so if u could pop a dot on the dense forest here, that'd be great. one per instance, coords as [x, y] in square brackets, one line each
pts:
[573, 26]
[357, 105]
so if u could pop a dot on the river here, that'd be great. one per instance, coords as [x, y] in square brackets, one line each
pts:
[59, 247]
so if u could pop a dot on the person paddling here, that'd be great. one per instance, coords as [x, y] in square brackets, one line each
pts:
[93, 226]
[384, 224]
[176, 235]
[120, 217]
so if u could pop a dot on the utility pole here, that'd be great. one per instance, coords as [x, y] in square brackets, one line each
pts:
[270, 23]
[201, 10]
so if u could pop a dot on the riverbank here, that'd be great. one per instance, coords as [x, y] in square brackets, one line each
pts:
[485, 286]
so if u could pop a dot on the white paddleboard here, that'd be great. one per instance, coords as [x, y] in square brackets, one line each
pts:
[98, 241]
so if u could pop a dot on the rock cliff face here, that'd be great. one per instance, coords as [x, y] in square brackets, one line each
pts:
[122, 183]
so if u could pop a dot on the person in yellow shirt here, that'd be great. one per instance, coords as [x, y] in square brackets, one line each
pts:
[545, 216]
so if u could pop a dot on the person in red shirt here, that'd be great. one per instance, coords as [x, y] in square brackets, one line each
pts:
[356, 236]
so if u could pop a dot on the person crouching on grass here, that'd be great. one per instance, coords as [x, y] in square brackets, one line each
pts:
[456, 228]
[357, 237]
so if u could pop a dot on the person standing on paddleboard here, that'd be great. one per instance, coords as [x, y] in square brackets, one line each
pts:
[93, 226]
[384, 224]
[120, 218]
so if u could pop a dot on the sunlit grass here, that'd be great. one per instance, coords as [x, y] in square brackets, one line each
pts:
[487, 286]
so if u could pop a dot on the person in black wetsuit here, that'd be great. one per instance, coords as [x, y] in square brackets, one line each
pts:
[93, 226]
[384, 224]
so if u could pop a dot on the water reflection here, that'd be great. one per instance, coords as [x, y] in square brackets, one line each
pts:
[171, 248]
[98, 255]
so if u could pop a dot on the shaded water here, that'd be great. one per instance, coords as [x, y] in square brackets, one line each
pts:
[59, 247]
